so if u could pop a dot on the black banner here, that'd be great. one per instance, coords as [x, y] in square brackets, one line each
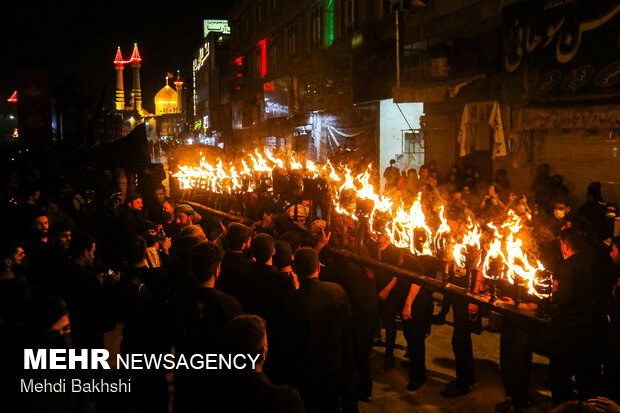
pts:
[562, 47]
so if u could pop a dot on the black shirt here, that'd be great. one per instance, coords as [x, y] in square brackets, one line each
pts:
[579, 320]
[320, 335]
[203, 315]
[143, 305]
[233, 275]
[90, 306]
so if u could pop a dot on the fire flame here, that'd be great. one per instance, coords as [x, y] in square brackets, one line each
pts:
[469, 247]
[406, 226]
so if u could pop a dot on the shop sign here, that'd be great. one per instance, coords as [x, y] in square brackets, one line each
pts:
[562, 47]
[594, 117]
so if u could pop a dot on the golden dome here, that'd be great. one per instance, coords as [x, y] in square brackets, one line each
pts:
[166, 100]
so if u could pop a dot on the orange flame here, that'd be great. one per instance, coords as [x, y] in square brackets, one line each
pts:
[405, 226]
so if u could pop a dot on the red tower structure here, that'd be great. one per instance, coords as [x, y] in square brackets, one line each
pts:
[136, 91]
[120, 92]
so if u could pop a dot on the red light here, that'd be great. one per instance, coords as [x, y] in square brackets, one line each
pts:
[263, 57]
[118, 60]
[135, 56]
[13, 98]
[269, 86]
[239, 61]
[239, 75]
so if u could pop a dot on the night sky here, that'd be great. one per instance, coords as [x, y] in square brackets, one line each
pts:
[78, 43]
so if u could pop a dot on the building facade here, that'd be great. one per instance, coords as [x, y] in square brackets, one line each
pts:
[504, 90]
[476, 82]
[211, 84]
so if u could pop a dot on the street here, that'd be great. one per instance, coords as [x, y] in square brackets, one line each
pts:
[389, 394]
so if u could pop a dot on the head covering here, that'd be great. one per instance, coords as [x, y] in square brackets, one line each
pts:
[184, 208]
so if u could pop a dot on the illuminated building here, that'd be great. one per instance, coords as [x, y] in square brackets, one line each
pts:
[169, 120]
[166, 100]
[119, 101]
[136, 90]
[297, 86]
[211, 82]
[291, 72]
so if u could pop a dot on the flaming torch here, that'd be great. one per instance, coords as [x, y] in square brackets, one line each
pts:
[443, 236]
[466, 253]
[494, 266]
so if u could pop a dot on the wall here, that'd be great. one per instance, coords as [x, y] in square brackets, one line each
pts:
[582, 156]
[440, 139]
[391, 123]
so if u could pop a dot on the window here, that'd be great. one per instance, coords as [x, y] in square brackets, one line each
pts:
[413, 143]
[290, 41]
[348, 16]
[316, 35]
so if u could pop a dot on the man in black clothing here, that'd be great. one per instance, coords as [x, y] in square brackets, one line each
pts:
[391, 175]
[60, 236]
[391, 293]
[267, 288]
[516, 346]
[143, 307]
[249, 390]
[235, 264]
[417, 315]
[283, 260]
[154, 204]
[14, 289]
[131, 214]
[579, 322]
[124, 227]
[36, 245]
[320, 329]
[88, 299]
[359, 285]
[156, 246]
[593, 212]
[466, 321]
[267, 291]
[46, 326]
[52, 262]
[203, 314]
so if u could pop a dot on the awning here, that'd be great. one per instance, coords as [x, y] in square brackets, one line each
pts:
[433, 92]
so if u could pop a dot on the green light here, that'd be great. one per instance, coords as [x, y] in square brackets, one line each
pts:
[329, 23]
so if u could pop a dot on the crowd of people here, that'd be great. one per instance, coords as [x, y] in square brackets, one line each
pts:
[89, 247]
[578, 248]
